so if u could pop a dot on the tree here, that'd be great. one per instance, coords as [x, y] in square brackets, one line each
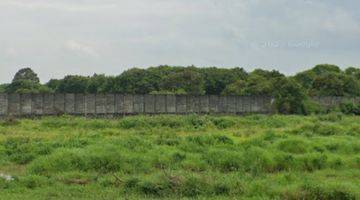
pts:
[289, 96]
[3, 88]
[26, 81]
[326, 69]
[73, 84]
[352, 71]
[216, 79]
[26, 74]
[96, 84]
[133, 81]
[53, 84]
[188, 80]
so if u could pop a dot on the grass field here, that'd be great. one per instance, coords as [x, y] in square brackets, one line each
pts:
[205, 157]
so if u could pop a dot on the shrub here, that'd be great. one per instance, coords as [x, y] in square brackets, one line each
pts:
[34, 181]
[194, 163]
[10, 121]
[132, 122]
[224, 160]
[157, 185]
[313, 161]
[193, 186]
[326, 192]
[195, 121]
[22, 150]
[256, 161]
[293, 146]
[313, 107]
[168, 139]
[222, 123]
[331, 117]
[349, 107]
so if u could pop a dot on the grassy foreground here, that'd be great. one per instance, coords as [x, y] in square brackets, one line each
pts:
[205, 157]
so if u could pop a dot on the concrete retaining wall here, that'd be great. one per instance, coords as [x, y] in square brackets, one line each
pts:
[120, 104]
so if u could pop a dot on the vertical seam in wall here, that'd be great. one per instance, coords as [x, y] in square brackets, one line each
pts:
[95, 104]
[20, 104]
[166, 106]
[154, 102]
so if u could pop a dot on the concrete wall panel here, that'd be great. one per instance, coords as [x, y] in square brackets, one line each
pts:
[89, 102]
[213, 104]
[110, 104]
[204, 104]
[119, 104]
[49, 101]
[100, 104]
[128, 104]
[79, 104]
[230, 104]
[181, 101]
[149, 103]
[3, 104]
[70, 103]
[160, 103]
[139, 104]
[222, 104]
[170, 104]
[59, 103]
[25, 104]
[37, 104]
[14, 104]
[193, 104]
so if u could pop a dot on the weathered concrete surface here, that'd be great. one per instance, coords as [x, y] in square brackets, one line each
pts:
[170, 104]
[181, 104]
[70, 103]
[149, 101]
[79, 104]
[119, 104]
[37, 104]
[110, 103]
[193, 104]
[90, 107]
[59, 103]
[160, 104]
[3, 104]
[25, 104]
[49, 101]
[128, 104]
[14, 108]
[204, 104]
[100, 104]
[213, 104]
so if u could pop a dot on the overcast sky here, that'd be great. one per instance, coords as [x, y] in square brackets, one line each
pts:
[59, 37]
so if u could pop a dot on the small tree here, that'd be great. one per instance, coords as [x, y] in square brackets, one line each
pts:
[289, 96]
[26, 81]
[26, 74]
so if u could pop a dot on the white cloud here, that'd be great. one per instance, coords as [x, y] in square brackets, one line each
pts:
[80, 47]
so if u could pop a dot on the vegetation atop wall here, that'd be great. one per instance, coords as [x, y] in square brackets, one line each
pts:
[291, 92]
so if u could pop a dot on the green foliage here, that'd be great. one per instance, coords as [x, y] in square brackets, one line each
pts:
[73, 84]
[26, 74]
[289, 96]
[349, 107]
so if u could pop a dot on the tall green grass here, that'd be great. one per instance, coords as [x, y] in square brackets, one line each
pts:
[169, 156]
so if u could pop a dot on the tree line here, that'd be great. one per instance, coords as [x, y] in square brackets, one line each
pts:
[290, 91]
